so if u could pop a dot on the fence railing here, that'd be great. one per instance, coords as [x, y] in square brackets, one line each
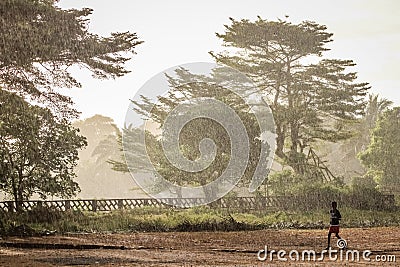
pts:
[246, 203]
[237, 203]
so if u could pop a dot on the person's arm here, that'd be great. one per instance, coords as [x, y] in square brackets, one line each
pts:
[339, 216]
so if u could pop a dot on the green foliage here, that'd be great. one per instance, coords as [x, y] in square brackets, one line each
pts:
[367, 198]
[183, 86]
[282, 183]
[363, 182]
[41, 41]
[383, 153]
[310, 102]
[288, 182]
[306, 194]
[314, 196]
[38, 151]
[344, 160]
[196, 219]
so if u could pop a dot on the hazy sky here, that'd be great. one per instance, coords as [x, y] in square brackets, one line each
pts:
[181, 31]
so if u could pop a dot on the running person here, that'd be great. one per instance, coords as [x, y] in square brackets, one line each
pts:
[334, 223]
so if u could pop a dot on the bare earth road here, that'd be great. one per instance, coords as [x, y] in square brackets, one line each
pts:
[197, 248]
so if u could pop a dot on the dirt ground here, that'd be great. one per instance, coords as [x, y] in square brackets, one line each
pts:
[198, 248]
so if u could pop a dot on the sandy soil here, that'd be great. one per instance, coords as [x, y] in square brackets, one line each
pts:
[195, 249]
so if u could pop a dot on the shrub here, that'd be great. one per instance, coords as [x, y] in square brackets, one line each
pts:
[364, 195]
[43, 214]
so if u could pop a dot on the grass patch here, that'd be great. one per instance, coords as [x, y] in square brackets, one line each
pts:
[194, 219]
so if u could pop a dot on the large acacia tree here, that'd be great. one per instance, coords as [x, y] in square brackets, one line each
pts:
[311, 97]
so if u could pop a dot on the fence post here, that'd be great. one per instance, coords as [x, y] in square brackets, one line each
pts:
[263, 203]
[10, 206]
[67, 205]
[94, 205]
[120, 204]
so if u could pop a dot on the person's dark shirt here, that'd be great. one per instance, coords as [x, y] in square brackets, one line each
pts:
[335, 217]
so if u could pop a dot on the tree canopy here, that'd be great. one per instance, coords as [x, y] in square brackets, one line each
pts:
[185, 86]
[344, 158]
[41, 41]
[311, 98]
[38, 152]
[383, 153]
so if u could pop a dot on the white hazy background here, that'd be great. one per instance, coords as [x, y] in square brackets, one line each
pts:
[180, 31]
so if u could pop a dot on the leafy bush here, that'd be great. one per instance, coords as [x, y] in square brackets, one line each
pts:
[363, 195]
[43, 214]
[282, 183]
[314, 196]
[307, 195]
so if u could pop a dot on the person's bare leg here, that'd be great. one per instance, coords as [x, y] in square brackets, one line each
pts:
[329, 240]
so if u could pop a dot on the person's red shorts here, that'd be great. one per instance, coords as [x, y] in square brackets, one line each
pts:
[334, 229]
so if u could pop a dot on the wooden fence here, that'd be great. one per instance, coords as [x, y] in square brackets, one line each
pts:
[242, 203]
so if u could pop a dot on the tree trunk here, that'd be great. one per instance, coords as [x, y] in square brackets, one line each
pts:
[280, 142]
[15, 194]
[19, 193]
[18, 202]
[208, 192]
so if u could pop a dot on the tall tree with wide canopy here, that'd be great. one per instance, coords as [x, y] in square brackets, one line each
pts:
[311, 98]
[40, 42]
[185, 86]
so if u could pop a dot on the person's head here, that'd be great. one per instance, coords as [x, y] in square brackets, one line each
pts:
[334, 204]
